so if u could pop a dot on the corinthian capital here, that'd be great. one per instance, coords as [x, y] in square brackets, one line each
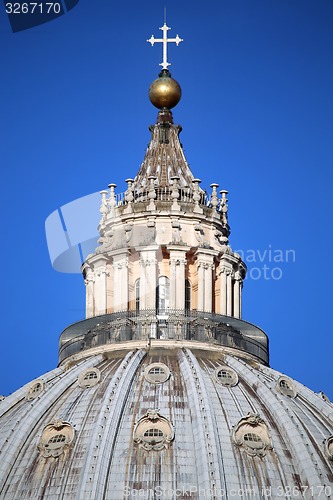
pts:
[102, 270]
[238, 277]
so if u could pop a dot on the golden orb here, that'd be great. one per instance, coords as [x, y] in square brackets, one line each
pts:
[164, 92]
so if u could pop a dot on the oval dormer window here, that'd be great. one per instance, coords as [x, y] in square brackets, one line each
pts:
[35, 389]
[89, 378]
[286, 387]
[226, 376]
[157, 373]
[253, 440]
[153, 435]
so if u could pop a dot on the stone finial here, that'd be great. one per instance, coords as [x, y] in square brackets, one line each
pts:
[151, 193]
[175, 192]
[104, 207]
[196, 195]
[214, 199]
[112, 200]
[129, 193]
[224, 206]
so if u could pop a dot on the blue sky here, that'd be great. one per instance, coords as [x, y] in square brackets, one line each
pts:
[256, 112]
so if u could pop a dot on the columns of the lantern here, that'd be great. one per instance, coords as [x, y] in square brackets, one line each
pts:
[177, 262]
[205, 268]
[226, 284]
[238, 295]
[120, 280]
[100, 289]
[89, 282]
[230, 294]
[148, 277]
[223, 290]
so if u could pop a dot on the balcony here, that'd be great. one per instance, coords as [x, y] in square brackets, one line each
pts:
[152, 324]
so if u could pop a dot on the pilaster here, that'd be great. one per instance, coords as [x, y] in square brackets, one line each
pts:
[120, 279]
[148, 277]
[177, 263]
[205, 267]
[101, 272]
[89, 281]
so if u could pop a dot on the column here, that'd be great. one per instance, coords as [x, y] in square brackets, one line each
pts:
[148, 278]
[201, 284]
[237, 295]
[120, 280]
[240, 300]
[205, 267]
[177, 263]
[173, 283]
[229, 292]
[208, 301]
[101, 273]
[89, 282]
[223, 290]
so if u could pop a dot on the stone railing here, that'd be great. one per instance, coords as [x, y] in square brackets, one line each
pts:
[153, 195]
[164, 325]
[163, 194]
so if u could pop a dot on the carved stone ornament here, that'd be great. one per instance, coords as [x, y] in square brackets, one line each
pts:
[56, 439]
[105, 242]
[153, 432]
[252, 435]
[199, 232]
[328, 444]
[128, 232]
[35, 389]
[285, 386]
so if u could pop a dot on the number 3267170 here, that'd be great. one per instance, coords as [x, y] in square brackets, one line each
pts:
[31, 7]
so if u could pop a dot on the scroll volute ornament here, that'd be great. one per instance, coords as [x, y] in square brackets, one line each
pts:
[153, 431]
[56, 439]
[252, 435]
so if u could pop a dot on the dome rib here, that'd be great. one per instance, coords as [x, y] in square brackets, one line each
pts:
[280, 412]
[29, 426]
[208, 460]
[106, 427]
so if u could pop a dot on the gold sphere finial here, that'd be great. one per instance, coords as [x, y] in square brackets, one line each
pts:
[164, 92]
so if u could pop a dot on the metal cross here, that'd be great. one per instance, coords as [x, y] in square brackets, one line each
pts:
[165, 40]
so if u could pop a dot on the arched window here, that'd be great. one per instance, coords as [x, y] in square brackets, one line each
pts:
[163, 294]
[137, 295]
[187, 295]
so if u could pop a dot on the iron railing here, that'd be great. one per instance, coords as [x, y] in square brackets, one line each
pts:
[165, 325]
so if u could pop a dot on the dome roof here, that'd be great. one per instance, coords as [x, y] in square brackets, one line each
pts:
[164, 418]
[163, 391]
